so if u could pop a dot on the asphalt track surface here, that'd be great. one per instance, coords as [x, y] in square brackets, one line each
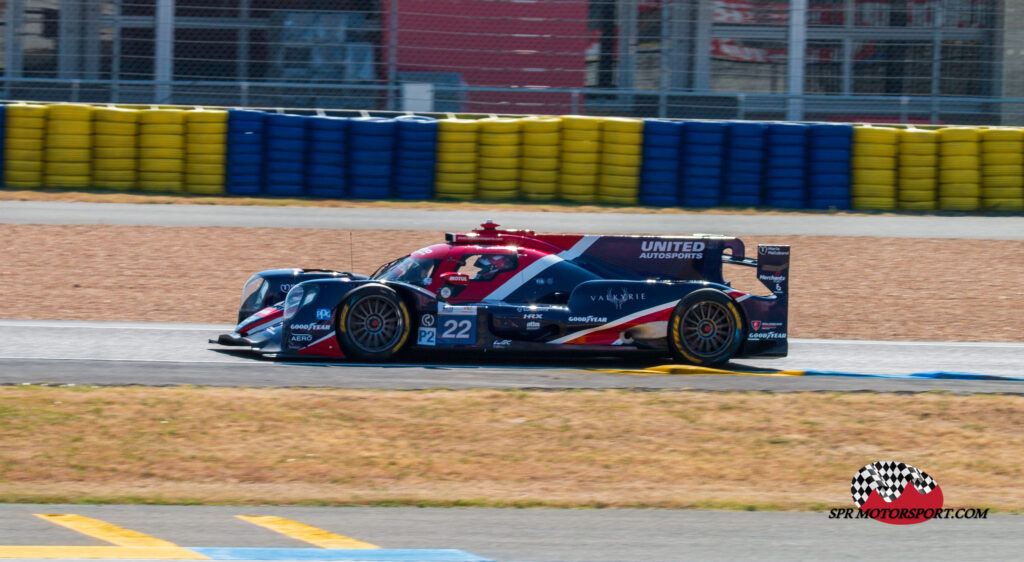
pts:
[547, 534]
[123, 353]
[41, 212]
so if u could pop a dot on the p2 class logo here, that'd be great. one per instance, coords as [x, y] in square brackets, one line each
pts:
[896, 493]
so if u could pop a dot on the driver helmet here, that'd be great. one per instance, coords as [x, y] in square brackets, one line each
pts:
[492, 264]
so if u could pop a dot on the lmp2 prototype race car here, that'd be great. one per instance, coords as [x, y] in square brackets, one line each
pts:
[517, 290]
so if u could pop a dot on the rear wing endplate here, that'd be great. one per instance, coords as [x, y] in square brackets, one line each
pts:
[772, 265]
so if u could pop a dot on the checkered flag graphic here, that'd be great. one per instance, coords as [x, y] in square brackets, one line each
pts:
[890, 478]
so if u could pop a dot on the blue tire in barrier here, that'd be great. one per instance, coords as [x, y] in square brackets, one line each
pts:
[383, 157]
[244, 138]
[416, 146]
[702, 184]
[325, 136]
[797, 129]
[784, 139]
[756, 143]
[828, 193]
[416, 136]
[745, 189]
[736, 176]
[830, 142]
[417, 162]
[371, 142]
[659, 200]
[663, 141]
[659, 176]
[662, 127]
[232, 170]
[372, 126]
[659, 165]
[286, 120]
[830, 155]
[275, 145]
[702, 150]
[362, 191]
[293, 133]
[415, 123]
[745, 129]
[703, 172]
[327, 158]
[325, 170]
[786, 151]
[660, 153]
[698, 160]
[772, 185]
[737, 200]
[285, 166]
[244, 158]
[244, 185]
[840, 130]
[361, 170]
[704, 127]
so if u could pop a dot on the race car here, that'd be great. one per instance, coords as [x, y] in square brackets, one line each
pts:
[517, 290]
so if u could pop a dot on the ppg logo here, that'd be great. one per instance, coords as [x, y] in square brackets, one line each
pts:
[323, 314]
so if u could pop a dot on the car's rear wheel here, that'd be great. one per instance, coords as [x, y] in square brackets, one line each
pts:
[373, 324]
[706, 328]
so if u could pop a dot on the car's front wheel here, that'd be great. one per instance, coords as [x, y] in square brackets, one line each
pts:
[705, 328]
[373, 324]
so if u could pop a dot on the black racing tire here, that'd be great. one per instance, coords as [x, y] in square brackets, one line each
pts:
[373, 324]
[706, 328]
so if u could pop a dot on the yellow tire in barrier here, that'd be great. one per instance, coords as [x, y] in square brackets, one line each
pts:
[68, 141]
[1006, 134]
[68, 168]
[1003, 204]
[506, 163]
[613, 170]
[67, 182]
[540, 151]
[67, 154]
[15, 123]
[539, 194]
[1003, 170]
[613, 200]
[457, 147]
[959, 190]
[579, 197]
[627, 149]
[161, 165]
[624, 192]
[206, 116]
[497, 194]
[959, 134]
[614, 159]
[874, 203]
[175, 142]
[999, 159]
[204, 179]
[581, 135]
[540, 163]
[915, 195]
[497, 185]
[877, 135]
[113, 175]
[581, 147]
[622, 125]
[500, 125]
[577, 189]
[919, 148]
[959, 149]
[541, 125]
[873, 190]
[456, 187]
[453, 157]
[217, 159]
[497, 151]
[1002, 146]
[959, 203]
[873, 163]
[456, 177]
[23, 177]
[24, 166]
[581, 122]
[205, 188]
[25, 110]
[70, 112]
[550, 139]
[959, 176]
[204, 138]
[913, 184]
[581, 157]
[873, 177]
[25, 134]
[918, 205]
[463, 125]
[127, 185]
[162, 116]
[69, 128]
[919, 160]
[161, 185]
[206, 148]
[27, 155]
[161, 129]
[115, 115]
[1002, 192]
[219, 129]
[24, 144]
[584, 168]
[1003, 181]
[100, 128]
[959, 163]
[456, 167]
[115, 152]
[502, 174]
[867, 149]
[114, 141]
[457, 136]
[917, 136]
[589, 180]
[616, 137]
[539, 176]
[455, 195]
[631, 182]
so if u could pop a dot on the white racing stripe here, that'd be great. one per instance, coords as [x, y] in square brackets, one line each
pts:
[617, 322]
[535, 268]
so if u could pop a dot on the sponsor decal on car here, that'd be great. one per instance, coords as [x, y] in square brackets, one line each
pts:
[500, 344]
[766, 336]
[427, 320]
[285, 287]
[427, 336]
[298, 338]
[773, 250]
[533, 316]
[766, 326]
[323, 314]
[533, 325]
[588, 319]
[452, 310]
[458, 279]
[618, 297]
[312, 327]
[445, 292]
[672, 249]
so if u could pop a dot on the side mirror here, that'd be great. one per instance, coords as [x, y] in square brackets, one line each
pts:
[460, 279]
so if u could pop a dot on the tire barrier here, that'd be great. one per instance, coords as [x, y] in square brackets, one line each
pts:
[68, 146]
[457, 156]
[115, 162]
[660, 169]
[1002, 169]
[415, 157]
[162, 150]
[581, 158]
[873, 168]
[918, 177]
[539, 161]
[828, 166]
[785, 175]
[574, 158]
[498, 162]
[327, 157]
[284, 155]
[205, 151]
[744, 165]
[244, 161]
[959, 169]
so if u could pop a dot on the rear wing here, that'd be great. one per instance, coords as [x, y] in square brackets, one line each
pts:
[772, 265]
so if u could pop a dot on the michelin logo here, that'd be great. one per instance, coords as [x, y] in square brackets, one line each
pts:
[672, 249]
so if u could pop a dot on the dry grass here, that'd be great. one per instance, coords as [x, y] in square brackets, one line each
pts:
[858, 288]
[587, 448]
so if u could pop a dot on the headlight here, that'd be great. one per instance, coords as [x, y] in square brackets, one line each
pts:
[291, 302]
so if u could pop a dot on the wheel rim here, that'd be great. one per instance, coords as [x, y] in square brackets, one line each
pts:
[374, 324]
[708, 328]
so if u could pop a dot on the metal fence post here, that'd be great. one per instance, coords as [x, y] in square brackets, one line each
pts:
[797, 56]
[392, 94]
[13, 60]
[163, 66]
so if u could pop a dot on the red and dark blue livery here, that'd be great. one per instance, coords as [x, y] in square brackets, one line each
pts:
[493, 288]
